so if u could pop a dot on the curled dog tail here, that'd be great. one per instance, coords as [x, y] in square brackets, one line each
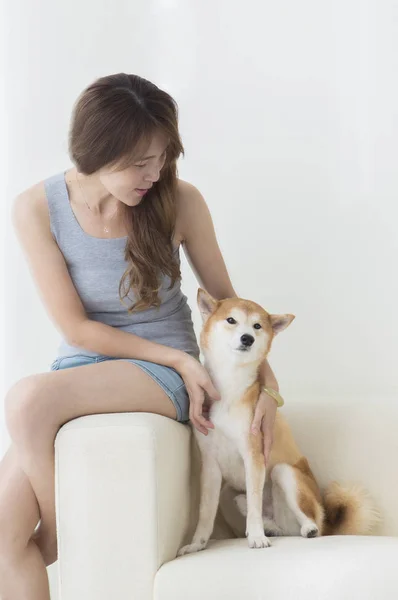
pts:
[348, 510]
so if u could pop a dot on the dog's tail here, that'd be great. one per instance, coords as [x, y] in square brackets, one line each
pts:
[349, 511]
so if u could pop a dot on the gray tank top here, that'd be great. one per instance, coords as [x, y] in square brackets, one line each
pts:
[96, 266]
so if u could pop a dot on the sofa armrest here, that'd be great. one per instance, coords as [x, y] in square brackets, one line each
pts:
[123, 494]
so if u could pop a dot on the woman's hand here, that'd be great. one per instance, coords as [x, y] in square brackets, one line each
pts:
[197, 381]
[264, 419]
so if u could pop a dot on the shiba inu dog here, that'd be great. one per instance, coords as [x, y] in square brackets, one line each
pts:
[284, 498]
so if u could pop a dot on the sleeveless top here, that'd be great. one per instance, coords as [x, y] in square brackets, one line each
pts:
[96, 266]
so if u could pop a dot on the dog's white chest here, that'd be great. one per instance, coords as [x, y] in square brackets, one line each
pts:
[223, 443]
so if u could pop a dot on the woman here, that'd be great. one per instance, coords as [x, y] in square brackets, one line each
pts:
[92, 235]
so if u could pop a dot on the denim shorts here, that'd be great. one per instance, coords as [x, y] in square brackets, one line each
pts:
[168, 378]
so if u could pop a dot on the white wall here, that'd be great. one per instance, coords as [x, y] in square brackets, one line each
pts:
[290, 122]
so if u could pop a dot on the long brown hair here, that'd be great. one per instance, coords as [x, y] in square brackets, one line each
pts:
[113, 121]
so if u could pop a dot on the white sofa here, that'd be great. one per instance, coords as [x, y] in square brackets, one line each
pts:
[127, 498]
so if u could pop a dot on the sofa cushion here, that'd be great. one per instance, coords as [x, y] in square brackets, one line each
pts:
[294, 568]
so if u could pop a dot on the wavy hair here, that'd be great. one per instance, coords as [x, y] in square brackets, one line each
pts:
[113, 121]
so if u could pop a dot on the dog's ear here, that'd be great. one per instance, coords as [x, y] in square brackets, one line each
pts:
[280, 322]
[206, 304]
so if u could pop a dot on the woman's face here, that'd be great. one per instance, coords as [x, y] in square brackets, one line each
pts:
[130, 185]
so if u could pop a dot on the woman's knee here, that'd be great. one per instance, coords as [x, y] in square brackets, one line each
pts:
[22, 407]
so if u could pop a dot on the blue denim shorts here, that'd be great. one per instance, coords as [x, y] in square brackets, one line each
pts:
[168, 378]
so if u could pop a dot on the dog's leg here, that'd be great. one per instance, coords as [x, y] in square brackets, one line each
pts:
[271, 529]
[241, 502]
[231, 512]
[255, 478]
[210, 486]
[283, 476]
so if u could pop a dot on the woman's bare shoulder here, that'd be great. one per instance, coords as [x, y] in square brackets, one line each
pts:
[188, 199]
[184, 188]
[31, 203]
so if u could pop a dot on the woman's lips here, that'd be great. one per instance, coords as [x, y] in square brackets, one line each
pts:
[141, 192]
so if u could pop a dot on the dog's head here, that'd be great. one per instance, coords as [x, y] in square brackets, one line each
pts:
[236, 329]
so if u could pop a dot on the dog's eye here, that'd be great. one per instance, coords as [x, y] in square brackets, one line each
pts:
[231, 321]
[257, 326]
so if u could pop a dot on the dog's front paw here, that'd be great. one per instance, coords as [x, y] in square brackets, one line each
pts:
[258, 541]
[192, 548]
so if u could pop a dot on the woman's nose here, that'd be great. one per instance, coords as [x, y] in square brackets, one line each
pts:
[153, 175]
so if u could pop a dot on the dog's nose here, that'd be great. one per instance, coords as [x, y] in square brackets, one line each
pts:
[247, 339]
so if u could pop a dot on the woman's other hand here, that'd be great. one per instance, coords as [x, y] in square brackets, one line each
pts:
[264, 420]
[198, 383]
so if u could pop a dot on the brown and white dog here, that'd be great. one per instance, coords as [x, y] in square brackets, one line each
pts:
[284, 498]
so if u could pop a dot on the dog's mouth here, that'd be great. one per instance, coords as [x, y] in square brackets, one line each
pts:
[242, 348]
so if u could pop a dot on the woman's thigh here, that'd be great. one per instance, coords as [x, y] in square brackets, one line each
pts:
[95, 387]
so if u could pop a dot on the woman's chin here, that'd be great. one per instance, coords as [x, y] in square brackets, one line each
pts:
[131, 200]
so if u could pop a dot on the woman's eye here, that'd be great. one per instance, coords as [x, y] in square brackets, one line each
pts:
[231, 320]
[140, 166]
[257, 326]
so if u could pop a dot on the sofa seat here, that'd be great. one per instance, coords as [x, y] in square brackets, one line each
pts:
[294, 568]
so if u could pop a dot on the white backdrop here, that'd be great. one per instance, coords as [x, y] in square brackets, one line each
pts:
[289, 115]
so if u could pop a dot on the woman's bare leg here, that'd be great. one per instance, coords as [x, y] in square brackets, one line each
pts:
[38, 405]
[23, 572]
